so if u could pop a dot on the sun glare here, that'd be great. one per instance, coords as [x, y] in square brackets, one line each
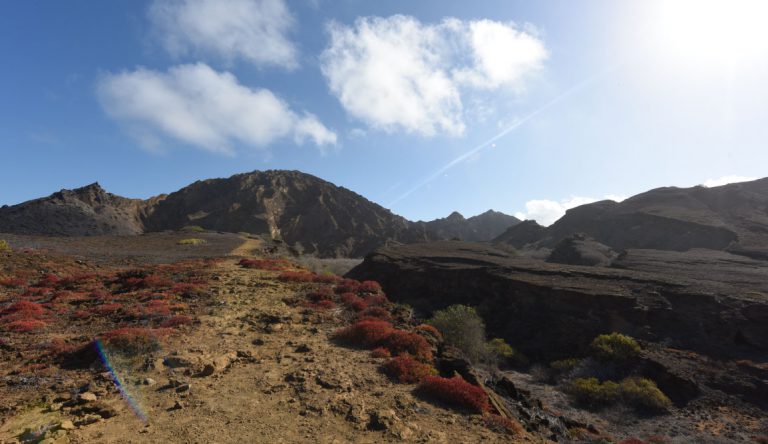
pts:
[713, 31]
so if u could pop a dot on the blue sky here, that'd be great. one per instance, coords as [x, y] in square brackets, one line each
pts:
[423, 107]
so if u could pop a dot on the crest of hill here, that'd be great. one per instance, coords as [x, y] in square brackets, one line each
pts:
[483, 227]
[731, 217]
[83, 211]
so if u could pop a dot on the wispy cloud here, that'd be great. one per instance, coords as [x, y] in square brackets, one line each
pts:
[725, 180]
[200, 106]
[546, 212]
[251, 30]
[398, 74]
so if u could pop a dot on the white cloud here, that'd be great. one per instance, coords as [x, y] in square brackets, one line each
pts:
[725, 180]
[398, 74]
[546, 212]
[252, 30]
[203, 107]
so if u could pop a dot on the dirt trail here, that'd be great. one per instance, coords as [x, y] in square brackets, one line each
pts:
[247, 248]
[258, 370]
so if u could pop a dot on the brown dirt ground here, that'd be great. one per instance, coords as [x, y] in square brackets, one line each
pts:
[276, 377]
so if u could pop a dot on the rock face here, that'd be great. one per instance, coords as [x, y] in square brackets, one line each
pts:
[84, 211]
[580, 249]
[522, 234]
[732, 217]
[297, 207]
[482, 227]
[554, 311]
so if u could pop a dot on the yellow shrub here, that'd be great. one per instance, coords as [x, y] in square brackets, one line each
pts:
[192, 241]
[4, 245]
[592, 392]
[615, 347]
[644, 394]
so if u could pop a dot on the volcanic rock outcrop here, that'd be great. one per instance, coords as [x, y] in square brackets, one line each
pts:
[553, 310]
[85, 211]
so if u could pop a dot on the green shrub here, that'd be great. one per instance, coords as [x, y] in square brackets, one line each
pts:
[193, 229]
[594, 393]
[564, 365]
[643, 394]
[615, 347]
[462, 328]
[4, 245]
[504, 352]
[191, 241]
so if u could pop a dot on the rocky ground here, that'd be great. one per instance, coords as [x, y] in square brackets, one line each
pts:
[251, 368]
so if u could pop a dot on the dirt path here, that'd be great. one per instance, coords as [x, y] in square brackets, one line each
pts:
[272, 376]
[247, 248]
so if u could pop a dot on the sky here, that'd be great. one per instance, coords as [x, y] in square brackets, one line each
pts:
[428, 107]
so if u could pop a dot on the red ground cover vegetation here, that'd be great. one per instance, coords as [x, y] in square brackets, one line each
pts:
[455, 392]
[501, 424]
[406, 370]
[265, 264]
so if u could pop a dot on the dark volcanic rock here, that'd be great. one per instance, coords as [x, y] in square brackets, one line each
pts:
[522, 234]
[296, 207]
[580, 249]
[554, 311]
[482, 227]
[732, 217]
[85, 211]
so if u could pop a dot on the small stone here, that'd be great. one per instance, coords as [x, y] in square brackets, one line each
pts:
[149, 381]
[86, 397]
[177, 406]
[67, 425]
[303, 348]
[257, 341]
[183, 388]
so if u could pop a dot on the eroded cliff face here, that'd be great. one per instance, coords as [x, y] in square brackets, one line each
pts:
[553, 311]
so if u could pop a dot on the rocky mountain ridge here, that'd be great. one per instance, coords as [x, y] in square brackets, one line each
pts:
[300, 209]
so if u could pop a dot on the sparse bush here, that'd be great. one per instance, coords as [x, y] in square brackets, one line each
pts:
[12, 282]
[23, 310]
[591, 392]
[500, 424]
[296, 276]
[376, 312]
[455, 392]
[462, 328]
[133, 340]
[353, 301]
[175, 321]
[265, 264]
[429, 330]
[381, 352]
[616, 348]
[406, 370]
[365, 333]
[376, 299]
[401, 342]
[643, 394]
[348, 286]
[193, 229]
[26, 326]
[191, 241]
[370, 287]
[4, 245]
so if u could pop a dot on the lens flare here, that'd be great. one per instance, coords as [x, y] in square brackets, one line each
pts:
[124, 392]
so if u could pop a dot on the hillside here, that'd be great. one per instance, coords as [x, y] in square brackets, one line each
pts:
[482, 227]
[86, 211]
[732, 217]
[303, 210]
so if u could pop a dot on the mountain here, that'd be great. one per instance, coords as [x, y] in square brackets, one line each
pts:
[83, 211]
[731, 217]
[294, 206]
[482, 227]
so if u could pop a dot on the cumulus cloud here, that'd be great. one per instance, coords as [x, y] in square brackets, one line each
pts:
[398, 74]
[546, 212]
[252, 30]
[725, 180]
[203, 107]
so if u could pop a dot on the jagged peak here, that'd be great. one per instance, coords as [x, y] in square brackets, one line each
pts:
[455, 216]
